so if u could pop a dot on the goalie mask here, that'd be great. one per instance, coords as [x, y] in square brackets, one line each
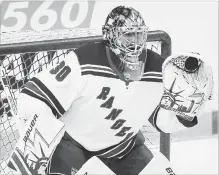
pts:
[125, 33]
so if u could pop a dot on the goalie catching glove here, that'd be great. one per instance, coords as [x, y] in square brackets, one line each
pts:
[188, 83]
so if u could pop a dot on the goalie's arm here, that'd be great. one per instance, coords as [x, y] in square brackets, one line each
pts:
[53, 90]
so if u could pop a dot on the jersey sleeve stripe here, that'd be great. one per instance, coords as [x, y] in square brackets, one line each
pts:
[37, 90]
[46, 95]
[50, 95]
[37, 96]
[116, 150]
[124, 151]
[30, 86]
[153, 118]
[121, 155]
[119, 149]
[37, 93]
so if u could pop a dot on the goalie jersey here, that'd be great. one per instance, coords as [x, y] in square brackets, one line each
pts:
[99, 111]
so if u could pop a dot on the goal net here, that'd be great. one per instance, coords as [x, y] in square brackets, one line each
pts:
[24, 54]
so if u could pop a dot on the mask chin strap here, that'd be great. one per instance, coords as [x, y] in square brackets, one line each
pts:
[120, 75]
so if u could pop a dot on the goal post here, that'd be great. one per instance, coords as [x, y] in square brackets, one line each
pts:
[22, 58]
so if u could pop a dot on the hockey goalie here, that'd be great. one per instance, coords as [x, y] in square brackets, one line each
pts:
[102, 94]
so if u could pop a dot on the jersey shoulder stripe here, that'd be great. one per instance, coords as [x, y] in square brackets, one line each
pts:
[97, 70]
[96, 73]
[33, 94]
[152, 76]
[97, 67]
[93, 61]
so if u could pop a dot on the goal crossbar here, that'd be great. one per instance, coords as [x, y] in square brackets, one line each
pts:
[55, 44]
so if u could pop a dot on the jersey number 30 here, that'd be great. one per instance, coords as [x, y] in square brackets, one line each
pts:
[61, 71]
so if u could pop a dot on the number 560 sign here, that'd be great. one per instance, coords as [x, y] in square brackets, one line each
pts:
[45, 15]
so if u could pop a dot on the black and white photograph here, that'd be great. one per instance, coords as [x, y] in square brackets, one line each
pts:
[108, 87]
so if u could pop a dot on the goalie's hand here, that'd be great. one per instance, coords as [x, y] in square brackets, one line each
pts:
[188, 83]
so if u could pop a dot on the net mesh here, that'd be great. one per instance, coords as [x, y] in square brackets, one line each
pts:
[16, 70]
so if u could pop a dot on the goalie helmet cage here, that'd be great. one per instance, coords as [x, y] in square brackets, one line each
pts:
[21, 60]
